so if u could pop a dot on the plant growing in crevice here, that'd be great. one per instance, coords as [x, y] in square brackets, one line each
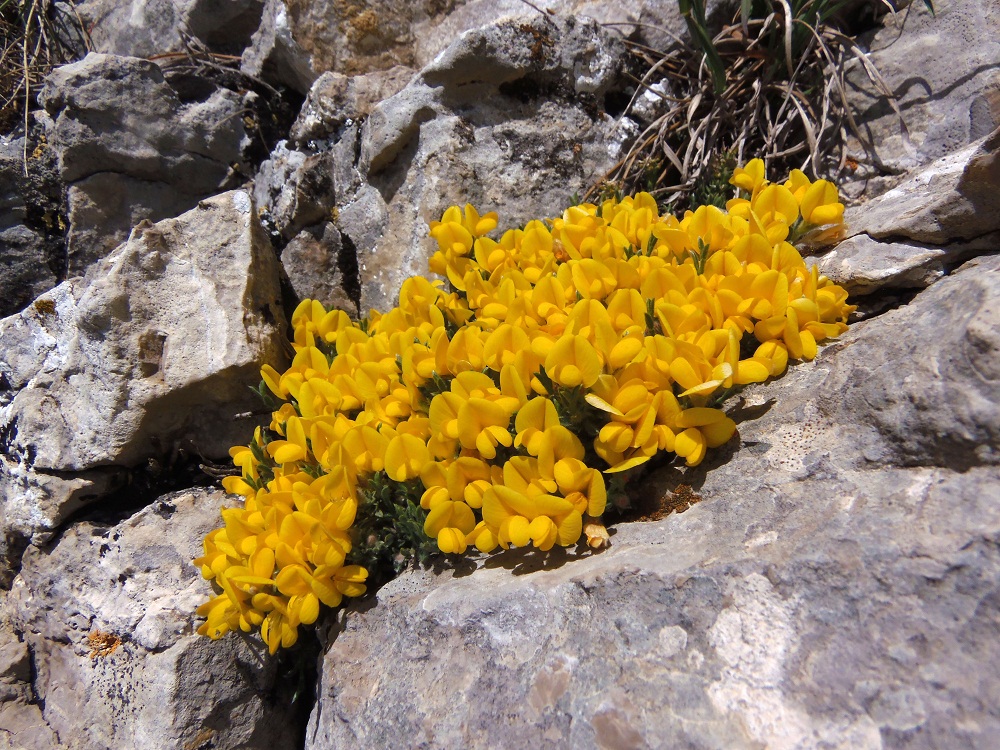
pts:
[509, 410]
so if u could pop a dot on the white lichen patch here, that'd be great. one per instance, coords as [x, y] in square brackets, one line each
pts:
[754, 638]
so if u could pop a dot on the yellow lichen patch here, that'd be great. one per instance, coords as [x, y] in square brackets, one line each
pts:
[102, 644]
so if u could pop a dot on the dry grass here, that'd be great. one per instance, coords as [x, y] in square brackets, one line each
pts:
[778, 100]
[33, 40]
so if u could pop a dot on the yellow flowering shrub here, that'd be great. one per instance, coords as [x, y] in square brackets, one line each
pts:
[494, 414]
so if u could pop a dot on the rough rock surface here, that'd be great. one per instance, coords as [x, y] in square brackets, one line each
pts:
[943, 70]
[509, 118]
[274, 55]
[296, 188]
[335, 99]
[299, 40]
[31, 253]
[129, 149]
[105, 614]
[320, 267]
[912, 235]
[143, 28]
[151, 352]
[837, 585]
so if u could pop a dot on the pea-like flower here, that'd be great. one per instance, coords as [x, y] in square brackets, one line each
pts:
[489, 407]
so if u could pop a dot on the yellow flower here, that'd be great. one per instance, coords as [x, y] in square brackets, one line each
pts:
[573, 361]
[405, 457]
[637, 319]
[749, 177]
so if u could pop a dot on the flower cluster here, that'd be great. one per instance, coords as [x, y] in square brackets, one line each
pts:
[565, 351]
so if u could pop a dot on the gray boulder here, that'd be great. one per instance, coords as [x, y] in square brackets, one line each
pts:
[836, 585]
[129, 149]
[152, 352]
[106, 620]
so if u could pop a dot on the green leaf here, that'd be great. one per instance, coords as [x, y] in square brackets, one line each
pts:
[930, 7]
[745, 9]
[693, 12]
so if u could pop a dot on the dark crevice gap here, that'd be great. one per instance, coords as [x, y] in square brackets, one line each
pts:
[139, 488]
[872, 305]
[347, 262]
[297, 681]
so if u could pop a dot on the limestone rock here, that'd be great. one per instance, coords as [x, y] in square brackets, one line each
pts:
[144, 28]
[336, 99]
[273, 54]
[153, 350]
[942, 70]
[510, 118]
[320, 267]
[912, 235]
[108, 615]
[129, 149]
[299, 40]
[296, 188]
[836, 586]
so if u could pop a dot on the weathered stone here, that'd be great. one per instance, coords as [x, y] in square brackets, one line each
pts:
[273, 54]
[107, 613]
[319, 267]
[130, 149]
[154, 349]
[837, 585]
[145, 28]
[942, 70]
[510, 118]
[335, 99]
[912, 235]
[300, 40]
[296, 188]
[23, 728]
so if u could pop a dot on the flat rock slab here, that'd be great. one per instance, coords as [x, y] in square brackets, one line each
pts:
[911, 236]
[820, 594]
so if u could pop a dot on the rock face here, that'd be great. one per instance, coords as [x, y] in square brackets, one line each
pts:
[510, 118]
[836, 582]
[129, 149]
[837, 586]
[140, 28]
[106, 614]
[918, 55]
[151, 352]
[300, 40]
